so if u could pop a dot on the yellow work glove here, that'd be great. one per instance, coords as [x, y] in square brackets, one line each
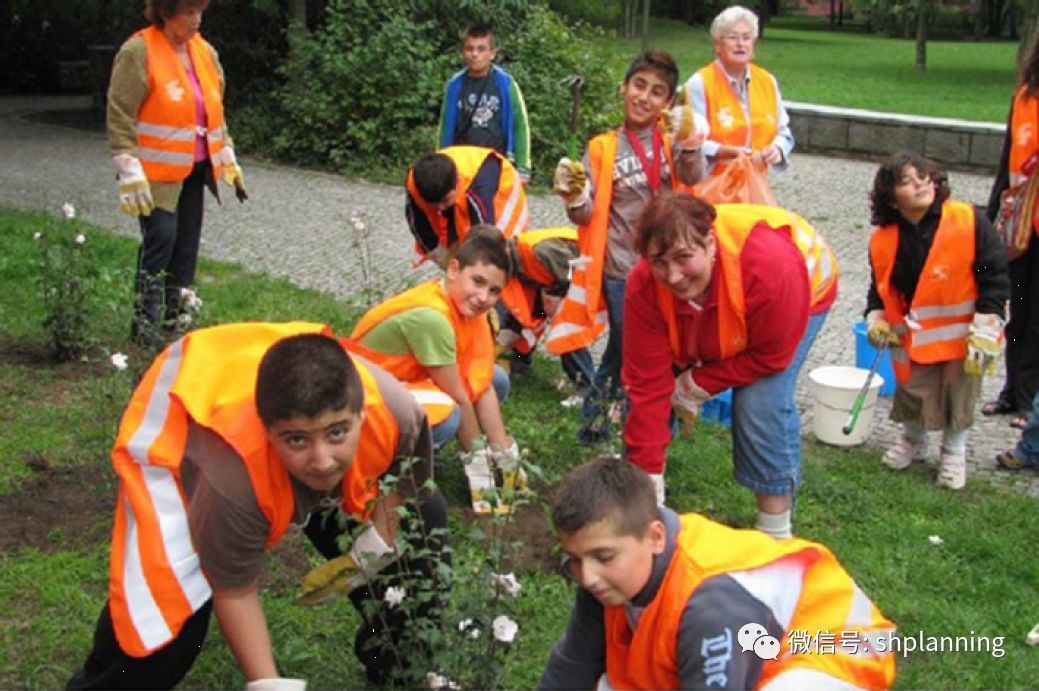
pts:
[983, 345]
[232, 173]
[368, 554]
[571, 182]
[135, 194]
[687, 400]
[682, 121]
[878, 332]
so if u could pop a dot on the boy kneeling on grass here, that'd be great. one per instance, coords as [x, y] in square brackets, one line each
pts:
[670, 601]
[234, 433]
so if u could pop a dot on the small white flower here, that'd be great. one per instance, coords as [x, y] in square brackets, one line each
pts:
[37, 236]
[936, 540]
[357, 220]
[572, 401]
[394, 596]
[119, 361]
[68, 210]
[80, 238]
[466, 626]
[509, 583]
[190, 299]
[184, 321]
[505, 629]
[438, 681]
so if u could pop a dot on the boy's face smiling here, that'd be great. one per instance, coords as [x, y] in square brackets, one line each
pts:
[478, 53]
[474, 289]
[645, 95]
[612, 567]
[318, 450]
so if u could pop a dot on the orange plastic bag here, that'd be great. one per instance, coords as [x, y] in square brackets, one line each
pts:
[742, 182]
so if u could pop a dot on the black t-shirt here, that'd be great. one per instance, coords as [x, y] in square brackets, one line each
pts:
[479, 114]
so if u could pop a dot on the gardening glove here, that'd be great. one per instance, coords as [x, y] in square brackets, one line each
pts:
[571, 182]
[513, 477]
[367, 556]
[878, 332]
[279, 684]
[984, 344]
[687, 400]
[683, 122]
[232, 173]
[135, 194]
[477, 466]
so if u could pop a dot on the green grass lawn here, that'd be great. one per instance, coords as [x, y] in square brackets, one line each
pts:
[968, 80]
[56, 424]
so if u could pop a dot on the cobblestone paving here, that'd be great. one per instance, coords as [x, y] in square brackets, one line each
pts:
[295, 226]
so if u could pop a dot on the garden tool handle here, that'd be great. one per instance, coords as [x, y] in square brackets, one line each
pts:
[576, 82]
[856, 408]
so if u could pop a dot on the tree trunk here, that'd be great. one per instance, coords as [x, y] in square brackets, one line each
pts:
[645, 24]
[921, 35]
[298, 14]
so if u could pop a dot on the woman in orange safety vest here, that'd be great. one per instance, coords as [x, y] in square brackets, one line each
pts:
[936, 298]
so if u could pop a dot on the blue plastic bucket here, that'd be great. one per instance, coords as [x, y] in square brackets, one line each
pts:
[864, 355]
[719, 408]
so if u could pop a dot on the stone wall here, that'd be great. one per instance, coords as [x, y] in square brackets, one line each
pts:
[873, 134]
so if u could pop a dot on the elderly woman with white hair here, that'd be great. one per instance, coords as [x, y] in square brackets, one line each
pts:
[740, 100]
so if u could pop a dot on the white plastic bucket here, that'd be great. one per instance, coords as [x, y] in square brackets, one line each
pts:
[834, 391]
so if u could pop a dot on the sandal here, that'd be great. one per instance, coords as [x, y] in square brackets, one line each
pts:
[1019, 422]
[997, 407]
[1010, 460]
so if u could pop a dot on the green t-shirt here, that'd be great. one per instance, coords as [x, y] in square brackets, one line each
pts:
[422, 331]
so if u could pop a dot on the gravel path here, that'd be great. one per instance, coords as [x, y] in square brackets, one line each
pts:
[295, 223]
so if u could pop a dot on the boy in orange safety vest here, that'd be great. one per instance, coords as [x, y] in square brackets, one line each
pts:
[672, 601]
[234, 433]
[604, 193]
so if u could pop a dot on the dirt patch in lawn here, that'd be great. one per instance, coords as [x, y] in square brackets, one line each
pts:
[58, 508]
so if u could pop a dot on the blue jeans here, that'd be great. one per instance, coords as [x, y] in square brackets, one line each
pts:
[606, 384]
[446, 430]
[1028, 448]
[766, 425]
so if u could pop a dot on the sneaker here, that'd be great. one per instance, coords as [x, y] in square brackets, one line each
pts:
[1011, 460]
[952, 470]
[903, 453]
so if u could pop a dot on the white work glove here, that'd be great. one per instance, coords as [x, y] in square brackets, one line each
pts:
[232, 172]
[571, 182]
[135, 194]
[687, 400]
[513, 477]
[878, 332]
[683, 122]
[983, 345]
[658, 486]
[279, 684]
[478, 471]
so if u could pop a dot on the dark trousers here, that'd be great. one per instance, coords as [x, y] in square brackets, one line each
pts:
[1022, 330]
[108, 667]
[168, 254]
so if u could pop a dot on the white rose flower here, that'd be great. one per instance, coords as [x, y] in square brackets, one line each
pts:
[119, 361]
[394, 596]
[80, 238]
[505, 629]
[466, 627]
[509, 583]
[68, 210]
[190, 299]
[438, 681]
[37, 236]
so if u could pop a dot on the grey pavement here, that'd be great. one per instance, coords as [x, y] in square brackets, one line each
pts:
[295, 225]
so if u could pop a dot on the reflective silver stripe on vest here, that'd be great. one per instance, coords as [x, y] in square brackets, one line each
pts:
[216, 135]
[176, 134]
[168, 157]
[564, 329]
[950, 332]
[934, 311]
[511, 207]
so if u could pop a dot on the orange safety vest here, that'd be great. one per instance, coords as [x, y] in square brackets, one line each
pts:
[510, 201]
[520, 294]
[474, 342]
[943, 306]
[824, 599]
[166, 126]
[732, 227]
[1024, 140]
[155, 580]
[582, 317]
[725, 114]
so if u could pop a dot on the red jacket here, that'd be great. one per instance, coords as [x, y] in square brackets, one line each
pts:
[777, 295]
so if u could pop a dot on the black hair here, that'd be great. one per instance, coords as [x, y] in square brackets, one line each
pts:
[605, 489]
[479, 31]
[659, 62]
[882, 198]
[484, 244]
[304, 376]
[435, 176]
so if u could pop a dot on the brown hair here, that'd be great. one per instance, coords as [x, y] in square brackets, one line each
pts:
[158, 11]
[1028, 75]
[673, 216]
[882, 198]
[659, 62]
[605, 489]
[484, 244]
[479, 31]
